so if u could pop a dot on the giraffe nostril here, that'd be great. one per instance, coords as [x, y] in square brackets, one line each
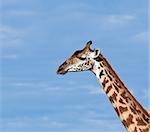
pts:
[59, 70]
[62, 71]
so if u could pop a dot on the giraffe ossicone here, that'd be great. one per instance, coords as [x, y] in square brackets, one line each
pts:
[131, 113]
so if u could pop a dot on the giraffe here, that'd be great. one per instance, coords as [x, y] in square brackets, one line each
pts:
[132, 115]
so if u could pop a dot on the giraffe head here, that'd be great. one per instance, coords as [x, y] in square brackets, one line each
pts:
[81, 60]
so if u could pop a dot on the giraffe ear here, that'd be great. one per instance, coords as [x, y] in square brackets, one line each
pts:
[96, 53]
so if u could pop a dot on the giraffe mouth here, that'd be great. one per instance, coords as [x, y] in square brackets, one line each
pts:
[61, 71]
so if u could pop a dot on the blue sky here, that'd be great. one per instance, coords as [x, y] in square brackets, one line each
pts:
[36, 36]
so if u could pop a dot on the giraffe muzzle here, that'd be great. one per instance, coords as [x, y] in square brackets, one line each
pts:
[61, 70]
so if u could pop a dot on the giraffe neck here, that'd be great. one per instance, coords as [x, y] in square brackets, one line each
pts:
[133, 116]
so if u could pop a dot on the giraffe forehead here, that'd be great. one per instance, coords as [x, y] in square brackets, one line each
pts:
[72, 59]
[75, 57]
[81, 52]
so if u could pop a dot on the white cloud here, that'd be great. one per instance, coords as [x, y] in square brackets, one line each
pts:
[119, 19]
[42, 86]
[9, 37]
[95, 90]
[17, 89]
[11, 40]
[46, 87]
[92, 89]
[22, 84]
[86, 121]
[87, 15]
[11, 2]
[72, 6]
[22, 123]
[115, 125]
[141, 37]
[98, 20]
[19, 13]
[8, 56]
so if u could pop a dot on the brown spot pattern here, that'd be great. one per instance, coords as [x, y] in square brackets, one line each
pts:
[114, 96]
[146, 118]
[108, 75]
[123, 109]
[129, 121]
[111, 100]
[117, 89]
[133, 110]
[144, 130]
[118, 85]
[135, 130]
[140, 122]
[121, 101]
[108, 89]
[104, 82]
[101, 73]
[101, 65]
[123, 94]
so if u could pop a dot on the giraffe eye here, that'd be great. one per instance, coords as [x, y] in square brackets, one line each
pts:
[82, 58]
